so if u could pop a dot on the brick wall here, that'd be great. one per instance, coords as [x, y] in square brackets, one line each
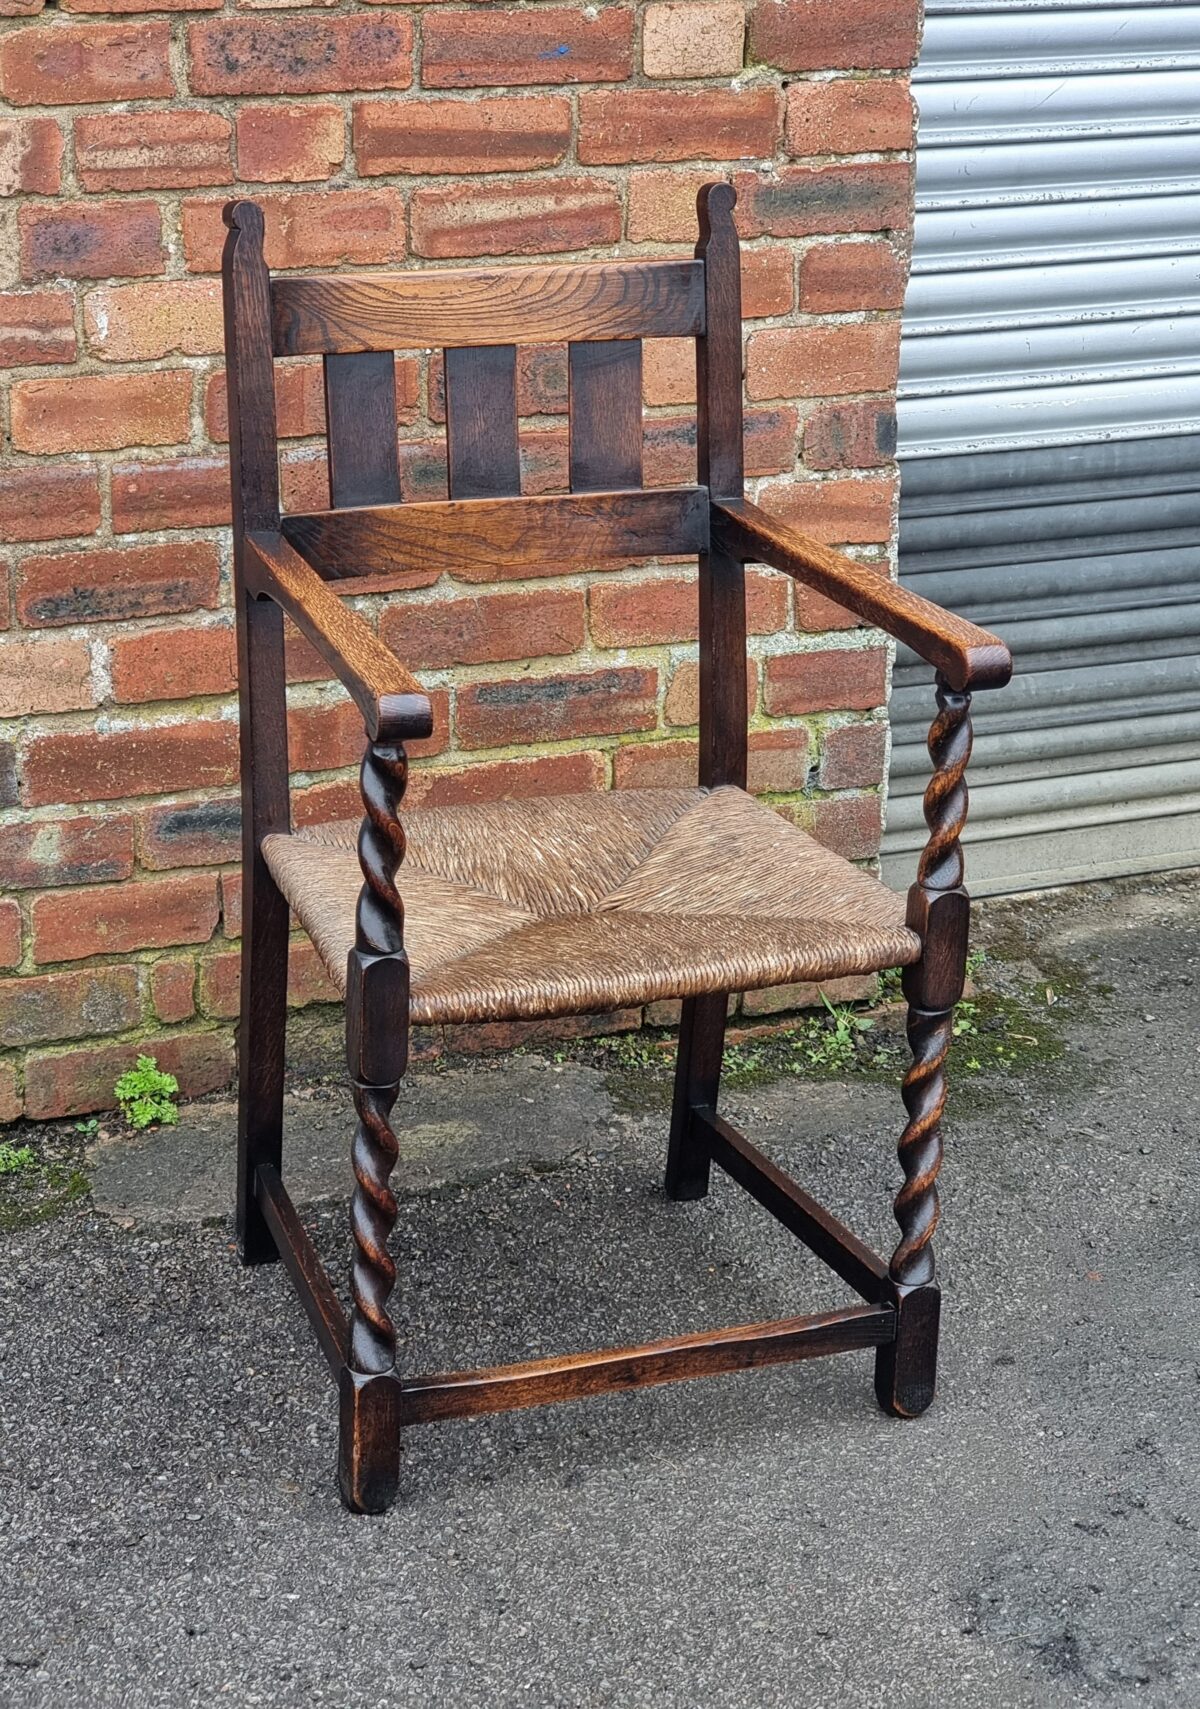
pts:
[384, 135]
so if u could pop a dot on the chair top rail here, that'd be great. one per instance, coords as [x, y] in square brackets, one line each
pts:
[322, 315]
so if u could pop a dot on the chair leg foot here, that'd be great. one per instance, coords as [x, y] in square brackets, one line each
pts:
[906, 1368]
[697, 1078]
[368, 1440]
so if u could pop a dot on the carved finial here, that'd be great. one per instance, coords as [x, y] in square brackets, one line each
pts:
[244, 216]
[714, 206]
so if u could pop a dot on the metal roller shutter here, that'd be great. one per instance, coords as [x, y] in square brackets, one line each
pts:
[1049, 429]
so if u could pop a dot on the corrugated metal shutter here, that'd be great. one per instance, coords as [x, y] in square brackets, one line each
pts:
[1050, 429]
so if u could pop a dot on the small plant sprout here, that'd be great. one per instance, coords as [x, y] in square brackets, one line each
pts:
[146, 1095]
[14, 1158]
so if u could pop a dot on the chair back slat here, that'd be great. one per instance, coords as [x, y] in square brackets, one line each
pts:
[483, 454]
[500, 305]
[360, 409]
[606, 415]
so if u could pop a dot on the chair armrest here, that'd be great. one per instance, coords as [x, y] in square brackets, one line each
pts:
[394, 705]
[968, 657]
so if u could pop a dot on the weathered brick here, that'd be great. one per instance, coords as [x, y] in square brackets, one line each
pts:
[486, 629]
[114, 919]
[299, 400]
[487, 1036]
[620, 125]
[839, 680]
[283, 144]
[779, 999]
[59, 65]
[9, 792]
[768, 282]
[829, 35]
[662, 205]
[853, 115]
[40, 503]
[12, 1097]
[173, 988]
[41, 854]
[850, 436]
[190, 833]
[505, 134]
[90, 240]
[811, 201]
[108, 765]
[30, 157]
[46, 675]
[666, 608]
[549, 44]
[669, 371]
[231, 903]
[73, 1082]
[152, 151]
[51, 1006]
[508, 780]
[187, 492]
[850, 825]
[838, 512]
[817, 361]
[138, 323]
[102, 413]
[324, 737]
[36, 327]
[108, 585]
[10, 932]
[557, 708]
[174, 664]
[300, 55]
[852, 756]
[515, 219]
[119, 6]
[682, 704]
[683, 39]
[840, 277]
[312, 228]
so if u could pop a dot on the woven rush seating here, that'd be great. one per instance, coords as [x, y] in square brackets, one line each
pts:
[519, 910]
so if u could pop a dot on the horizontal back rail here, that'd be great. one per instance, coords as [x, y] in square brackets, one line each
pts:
[475, 539]
[554, 304]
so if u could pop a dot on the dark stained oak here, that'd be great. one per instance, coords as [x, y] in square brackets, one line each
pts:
[483, 456]
[313, 1287]
[697, 1082]
[487, 305]
[364, 447]
[474, 538]
[605, 415]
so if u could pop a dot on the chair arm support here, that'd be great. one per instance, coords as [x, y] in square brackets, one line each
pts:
[968, 657]
[393, 703]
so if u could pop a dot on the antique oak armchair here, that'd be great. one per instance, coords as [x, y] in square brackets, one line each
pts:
[526, 909]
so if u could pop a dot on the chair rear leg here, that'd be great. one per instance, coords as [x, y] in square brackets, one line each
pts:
[261, 1042]
[697, 1082]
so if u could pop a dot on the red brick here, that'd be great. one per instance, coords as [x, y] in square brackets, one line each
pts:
[768, 284]
[515, 219]
[152, 151]
[504, 134]
[8, 774]
[220, 985]
[51, 1006]
[657, 765]
[683, 39]
[174, 664]
[119, 6]
[682, 704]
[850, 436]
[102, 413]
[839, 512]
[817, 361]
[850, 825]
[308, 981]
[190, 492]
[30, 156]
[12, 1099]
[770, 441]
[140, 323]
[852, 756]
[90, 240]
[107, 765]
[190, 833]
[549, 44]
[288, 144]
[557, 708]
[778, 761]
[485, 629]
[777, 999]
[173, 988]
[308, 229]
[844, 679]
[670, 445]
[487, 1036]
[10, 932]
[46, 675]
[113, 584]
[43, 853]
[837, 278]
[36, 326]
[114, 919]
[48, 503]
[324, 737]
[851, 116]
[300, 55]
[507, 780]
[662, 205]
[62, 1083]
[231, 904]
[666, 608]
[669, 371]
[299, 399]
[325, 802]
[811, 201]
[616, 126]
[57, 65]
[829, 35]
